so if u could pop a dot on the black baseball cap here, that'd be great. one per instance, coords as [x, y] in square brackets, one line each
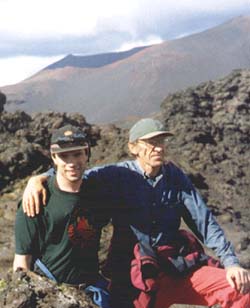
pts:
[68, 138]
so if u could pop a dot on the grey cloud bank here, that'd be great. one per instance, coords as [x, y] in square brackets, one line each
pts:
[110, 34]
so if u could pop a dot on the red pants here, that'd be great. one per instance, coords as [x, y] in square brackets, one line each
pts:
[206, 286]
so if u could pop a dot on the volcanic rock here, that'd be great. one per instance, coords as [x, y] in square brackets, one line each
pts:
[2, 101]
[212, 143]
[28, 290]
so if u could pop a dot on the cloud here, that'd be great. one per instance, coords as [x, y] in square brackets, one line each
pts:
[151, 40]
[45, 18]
[16, 69]
[61, 26]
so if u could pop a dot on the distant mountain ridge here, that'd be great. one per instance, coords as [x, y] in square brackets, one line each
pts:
[94, 61]
[134, 83]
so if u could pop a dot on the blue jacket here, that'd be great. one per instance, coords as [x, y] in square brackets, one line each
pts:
[153, 208]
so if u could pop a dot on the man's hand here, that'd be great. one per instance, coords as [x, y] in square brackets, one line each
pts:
[22, 261]
[238, 278]
[34, 194]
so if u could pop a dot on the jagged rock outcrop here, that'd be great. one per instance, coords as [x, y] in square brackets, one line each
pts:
[28, 290]
[212, 143]
[212, 133]
[2, 101]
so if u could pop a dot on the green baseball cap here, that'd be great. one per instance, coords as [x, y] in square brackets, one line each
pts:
[146, 129]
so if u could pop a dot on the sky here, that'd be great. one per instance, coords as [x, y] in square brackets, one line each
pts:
[36, 33]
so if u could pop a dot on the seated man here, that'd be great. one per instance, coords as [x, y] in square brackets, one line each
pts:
[62, 241]
[150, 197]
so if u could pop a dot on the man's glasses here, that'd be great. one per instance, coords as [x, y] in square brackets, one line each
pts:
[155, 142]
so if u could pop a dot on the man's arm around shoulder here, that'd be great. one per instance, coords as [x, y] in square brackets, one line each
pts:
[34, 193]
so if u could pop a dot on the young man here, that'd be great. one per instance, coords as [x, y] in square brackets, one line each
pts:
[149, 197]
[62, 242]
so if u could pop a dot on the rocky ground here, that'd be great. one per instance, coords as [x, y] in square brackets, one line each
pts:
[211, 143]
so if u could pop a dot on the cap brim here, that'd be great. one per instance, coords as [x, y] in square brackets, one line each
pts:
[154, 134]
[69, 149]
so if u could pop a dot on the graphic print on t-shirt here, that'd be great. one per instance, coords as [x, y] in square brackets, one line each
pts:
[81, 232]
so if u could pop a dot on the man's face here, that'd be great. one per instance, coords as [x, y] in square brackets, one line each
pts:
[71, 165]
[151, 151]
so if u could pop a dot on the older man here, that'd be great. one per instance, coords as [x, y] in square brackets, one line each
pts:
[149, 197]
